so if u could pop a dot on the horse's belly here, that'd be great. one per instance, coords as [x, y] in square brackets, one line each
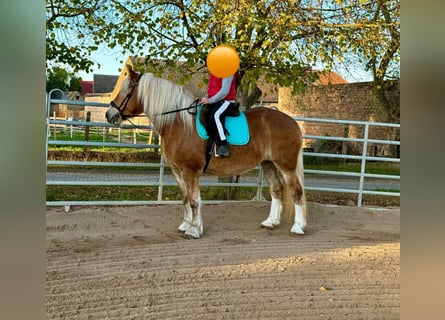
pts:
[229, 167]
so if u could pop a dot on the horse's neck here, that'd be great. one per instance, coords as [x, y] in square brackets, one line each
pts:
[175, 130]
[162, 102]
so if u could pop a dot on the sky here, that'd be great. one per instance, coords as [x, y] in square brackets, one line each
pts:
[110, 64]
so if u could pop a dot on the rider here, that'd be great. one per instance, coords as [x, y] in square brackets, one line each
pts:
[220, 93]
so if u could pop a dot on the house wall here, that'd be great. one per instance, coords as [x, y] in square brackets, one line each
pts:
[97, 113]
[67, 111]
[353, 101]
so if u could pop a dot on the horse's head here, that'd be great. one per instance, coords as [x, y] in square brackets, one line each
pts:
[126, 103]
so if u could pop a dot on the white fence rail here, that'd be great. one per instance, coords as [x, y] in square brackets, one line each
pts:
[359, 183]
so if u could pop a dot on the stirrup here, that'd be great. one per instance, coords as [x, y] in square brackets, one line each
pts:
[213, 150]
[223, 151]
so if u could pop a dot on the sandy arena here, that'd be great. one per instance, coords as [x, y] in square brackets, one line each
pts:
[131, 263]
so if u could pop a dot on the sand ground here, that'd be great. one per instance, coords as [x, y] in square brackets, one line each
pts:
[131, 263]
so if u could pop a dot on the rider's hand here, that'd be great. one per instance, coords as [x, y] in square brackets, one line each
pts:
[204, 100]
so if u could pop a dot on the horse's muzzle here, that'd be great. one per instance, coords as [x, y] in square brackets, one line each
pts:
[113, 116]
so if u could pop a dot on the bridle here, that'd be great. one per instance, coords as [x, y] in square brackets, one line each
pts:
[120, 108]
[115, 113]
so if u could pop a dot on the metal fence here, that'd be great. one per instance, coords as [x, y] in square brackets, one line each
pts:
[359, 183]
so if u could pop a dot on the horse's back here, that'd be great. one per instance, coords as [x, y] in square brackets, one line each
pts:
[266, 121]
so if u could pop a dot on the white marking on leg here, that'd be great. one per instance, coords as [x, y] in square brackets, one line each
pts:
[274, 215]
[196, 228]
[187, 222]
[299, 221]
[199, 222]
[188, 214]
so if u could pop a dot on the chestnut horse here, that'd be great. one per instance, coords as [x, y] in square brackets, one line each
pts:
[275, 143]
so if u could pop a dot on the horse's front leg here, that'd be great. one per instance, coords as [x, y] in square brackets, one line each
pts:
[192, 224]
[188, 214]
[196, 228]
[188, 217]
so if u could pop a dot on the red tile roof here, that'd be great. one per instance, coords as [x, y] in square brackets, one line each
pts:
[329, 78]
[87, 86]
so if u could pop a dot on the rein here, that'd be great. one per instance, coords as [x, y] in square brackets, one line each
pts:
[194, 104]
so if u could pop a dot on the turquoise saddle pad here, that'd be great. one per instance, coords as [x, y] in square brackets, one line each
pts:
[237, 128]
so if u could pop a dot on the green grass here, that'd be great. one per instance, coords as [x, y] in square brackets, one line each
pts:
[141, 193]
[98, 148]
[97, 135]
[78, 136]
[371, 167]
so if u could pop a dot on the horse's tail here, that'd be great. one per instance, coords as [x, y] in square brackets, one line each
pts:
[300, 175]
[288, 213]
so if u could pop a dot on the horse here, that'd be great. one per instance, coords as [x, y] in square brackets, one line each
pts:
[275, 143]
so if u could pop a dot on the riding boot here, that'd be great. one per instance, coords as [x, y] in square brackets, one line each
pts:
[223, 150]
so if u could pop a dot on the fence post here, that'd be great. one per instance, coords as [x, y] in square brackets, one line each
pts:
[55, 126]
[161, 179]
[87, 130]
[344, 146]
[363, 165]
[71, 127]
[48, 133]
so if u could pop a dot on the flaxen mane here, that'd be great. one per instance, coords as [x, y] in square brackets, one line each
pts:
[160, 95]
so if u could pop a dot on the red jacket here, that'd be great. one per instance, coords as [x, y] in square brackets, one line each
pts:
[215, 85]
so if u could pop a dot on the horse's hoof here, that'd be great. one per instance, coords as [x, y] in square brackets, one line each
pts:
[184, 226]
[270, 224]
[297, 229]
[187, 236]
[192, 233]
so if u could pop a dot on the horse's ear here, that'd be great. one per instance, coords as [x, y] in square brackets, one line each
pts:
[131, 73]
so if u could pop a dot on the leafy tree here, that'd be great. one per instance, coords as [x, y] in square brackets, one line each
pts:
[57, 78]
[371, 36]
[279, 41]
[60, 78]
[76, 84]
[69, 23]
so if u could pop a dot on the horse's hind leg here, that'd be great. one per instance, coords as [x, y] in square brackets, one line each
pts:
[294, 181]
[300, 200]
[276, 189]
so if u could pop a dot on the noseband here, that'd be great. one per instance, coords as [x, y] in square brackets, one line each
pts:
[120, 108]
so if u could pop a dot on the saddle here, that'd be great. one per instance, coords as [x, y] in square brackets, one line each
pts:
[208, 110]
[234, 121]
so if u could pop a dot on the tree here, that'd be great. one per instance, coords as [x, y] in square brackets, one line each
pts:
[75, 83]
[280, 41]
[69, 23]
[59, 78]
[383, 59]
